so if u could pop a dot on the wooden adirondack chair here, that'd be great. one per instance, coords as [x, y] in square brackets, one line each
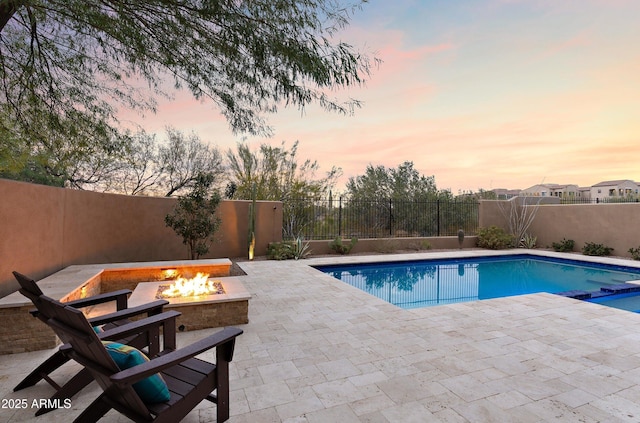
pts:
[190, 380]
[30, 289]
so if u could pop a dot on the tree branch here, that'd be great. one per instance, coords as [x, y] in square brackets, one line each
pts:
[7, 10]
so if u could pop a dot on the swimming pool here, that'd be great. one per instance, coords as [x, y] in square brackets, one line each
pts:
[423, 283]
[629, 301]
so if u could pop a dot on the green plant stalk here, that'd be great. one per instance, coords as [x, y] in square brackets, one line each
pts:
[300, 249]
[252, 223]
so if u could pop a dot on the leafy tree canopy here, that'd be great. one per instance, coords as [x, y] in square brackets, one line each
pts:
[194, 217]
[168, 167]
[276, 173]
[66, 66]
[401, 183]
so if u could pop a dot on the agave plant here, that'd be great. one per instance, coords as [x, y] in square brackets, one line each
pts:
[300, 249]
[528, 241]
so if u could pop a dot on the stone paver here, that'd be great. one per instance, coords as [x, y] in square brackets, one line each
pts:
[318, 350]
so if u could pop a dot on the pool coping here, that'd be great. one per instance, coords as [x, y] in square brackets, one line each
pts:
[470, 254]
[317, 349]
[438, 255]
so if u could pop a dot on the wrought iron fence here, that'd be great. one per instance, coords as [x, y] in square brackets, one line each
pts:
[605, 200]
[345, 217]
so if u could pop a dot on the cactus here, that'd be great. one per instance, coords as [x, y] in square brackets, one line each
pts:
[252, 223]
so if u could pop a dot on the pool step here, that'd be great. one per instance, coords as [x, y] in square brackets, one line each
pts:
[622, 288]
[599, 294]
[576, 294]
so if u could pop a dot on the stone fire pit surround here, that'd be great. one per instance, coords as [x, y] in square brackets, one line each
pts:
[21, 332]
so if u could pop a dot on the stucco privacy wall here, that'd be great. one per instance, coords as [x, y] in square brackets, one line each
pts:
[615, 225]
[44, 229]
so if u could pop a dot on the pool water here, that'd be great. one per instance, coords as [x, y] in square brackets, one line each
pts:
[413, 284]
[629, 302]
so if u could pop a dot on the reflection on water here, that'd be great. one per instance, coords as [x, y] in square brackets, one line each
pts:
[433, 282]
[416, 285]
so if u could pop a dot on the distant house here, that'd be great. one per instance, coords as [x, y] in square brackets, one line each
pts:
[569, 191]
[584, 193]
[612, 190]
[505, 194]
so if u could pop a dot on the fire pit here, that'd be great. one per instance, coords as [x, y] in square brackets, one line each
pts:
[197, 286]
[23, 333]
[227, 303]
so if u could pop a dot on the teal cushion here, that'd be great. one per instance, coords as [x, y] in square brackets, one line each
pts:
[152, 389]
[98, 329]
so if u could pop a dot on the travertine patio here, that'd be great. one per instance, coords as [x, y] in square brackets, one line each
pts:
[318, 350]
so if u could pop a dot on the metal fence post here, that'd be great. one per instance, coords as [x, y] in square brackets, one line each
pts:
[390, 219]
[340, 217]
[438, 216]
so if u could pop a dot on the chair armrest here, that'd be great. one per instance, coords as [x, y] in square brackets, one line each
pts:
[146, 332]
[119, 296]
[151, 308]
[138, 326]
[141, 371]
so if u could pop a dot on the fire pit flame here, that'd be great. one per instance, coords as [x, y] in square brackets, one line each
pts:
[196, 286]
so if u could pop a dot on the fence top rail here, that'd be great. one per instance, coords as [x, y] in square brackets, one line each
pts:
[381, 200]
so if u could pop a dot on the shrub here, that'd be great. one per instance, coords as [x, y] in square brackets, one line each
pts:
[494, 238]
[280, 251]
[386, 246]
[635, 253]
[340, 248]
[563, 246]
[593, 249]
[194, 216]
[419, 245]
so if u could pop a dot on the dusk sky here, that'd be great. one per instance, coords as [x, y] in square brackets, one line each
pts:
[478, 93]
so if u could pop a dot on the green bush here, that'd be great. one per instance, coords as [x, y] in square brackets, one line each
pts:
[194, 216]
[339, 247]
[287, 250]
[280, 251]
[593, 249]
[563, 246]
[494, 238]
[635, 253]
[386, 246]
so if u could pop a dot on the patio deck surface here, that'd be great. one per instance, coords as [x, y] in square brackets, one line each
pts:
[319, 350]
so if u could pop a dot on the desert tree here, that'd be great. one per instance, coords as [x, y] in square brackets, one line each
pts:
[387, 198]
[194, 217]
[519, 214]
[164, 166]
[183, 158]
[402, 182]
[139, 169]
[68, 67]
[276, 173]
